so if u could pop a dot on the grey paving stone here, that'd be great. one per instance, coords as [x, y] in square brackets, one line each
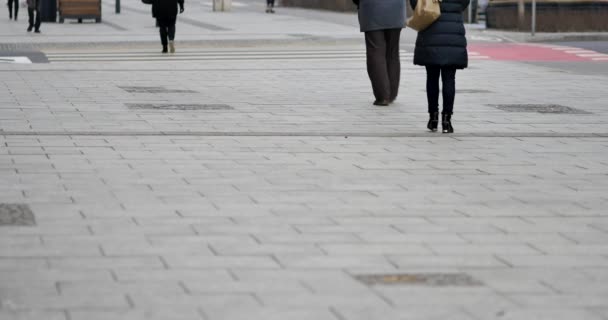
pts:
[332, 262]
[36, 301]
[171, 275]
[268, 313]
[112, 288]
[409, 313]
[31, 314]
[375, 249]
[456, 261]
[299, 300]
[534, 313]
[265, 249]
[51, 277]
[152, 313]
[219, 300]
[253, 287]
[556, 261]
[13, 263]
[224, 262]
[106, 263]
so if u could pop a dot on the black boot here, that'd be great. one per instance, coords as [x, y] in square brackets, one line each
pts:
[446, 123]
[433, 121]
[165, 49]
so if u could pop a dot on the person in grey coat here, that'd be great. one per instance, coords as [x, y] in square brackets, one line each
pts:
[442, 49]
[382, 21]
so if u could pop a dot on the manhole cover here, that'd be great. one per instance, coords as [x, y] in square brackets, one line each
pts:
[177, 106]
[16, 215]
[154, 90]
[421, 279]
[539, 108]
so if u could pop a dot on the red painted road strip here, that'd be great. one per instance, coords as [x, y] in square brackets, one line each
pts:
[527, 52]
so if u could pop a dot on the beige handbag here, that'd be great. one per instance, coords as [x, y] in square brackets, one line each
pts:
[425, 13]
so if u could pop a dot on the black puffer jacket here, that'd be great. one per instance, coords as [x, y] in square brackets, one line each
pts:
[444, 43]
[166, 9]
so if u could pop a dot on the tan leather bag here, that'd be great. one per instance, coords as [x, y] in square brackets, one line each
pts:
[425, 13]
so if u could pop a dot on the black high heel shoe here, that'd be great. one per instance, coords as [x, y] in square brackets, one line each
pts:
[433, 121]
[446, 123]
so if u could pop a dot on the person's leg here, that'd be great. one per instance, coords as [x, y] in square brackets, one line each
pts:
[171, 34]
[171, 28]
[163, 30]
[375, 43]
[393, 62]
[16, 7]
[448, 79]
[432, 88]
[9, 4]
[30, 16]
[38, 17]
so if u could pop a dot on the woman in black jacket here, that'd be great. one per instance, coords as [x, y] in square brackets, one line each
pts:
[442, 49]
[165, 12]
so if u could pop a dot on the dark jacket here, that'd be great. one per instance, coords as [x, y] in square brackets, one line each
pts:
[33, 4]
[166, 9]
[444, 43]
[381, 14]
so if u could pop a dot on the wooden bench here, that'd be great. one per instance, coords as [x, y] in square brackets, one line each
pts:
[79, 9]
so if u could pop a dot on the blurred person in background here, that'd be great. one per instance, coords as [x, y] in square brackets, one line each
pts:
[33, 12]
[269, 6]
[13, 6]
[165, 12]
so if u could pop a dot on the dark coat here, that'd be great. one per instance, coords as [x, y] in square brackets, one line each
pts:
[444, 43]
[166, 9]
[381, 14]
[33, 4]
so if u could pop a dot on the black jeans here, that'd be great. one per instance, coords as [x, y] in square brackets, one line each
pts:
[13, 4]
[270, 3]
[34, 22]
[383, 62]
[448, 79]
[167, 29]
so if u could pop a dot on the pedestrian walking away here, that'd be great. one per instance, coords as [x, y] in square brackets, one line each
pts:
[13, 9]
[269, 6]
[382, 21]
[165, 12]
[33, 12]
[442, 49]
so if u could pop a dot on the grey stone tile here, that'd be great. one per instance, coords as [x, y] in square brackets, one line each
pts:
[151, 313]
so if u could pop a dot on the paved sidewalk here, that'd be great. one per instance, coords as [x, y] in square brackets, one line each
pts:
[235, 189]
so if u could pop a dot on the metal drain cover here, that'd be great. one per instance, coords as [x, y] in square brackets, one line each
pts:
[178, 106]
[421, 279]
[154, 90]
[539, 108]
[16, 215]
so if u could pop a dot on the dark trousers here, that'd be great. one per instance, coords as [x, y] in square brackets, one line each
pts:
[448, 79]
[13, 5]
[383, 63]
[34, 22]
[167, 29]
[270, 3]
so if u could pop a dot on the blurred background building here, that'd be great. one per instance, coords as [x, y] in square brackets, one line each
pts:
[551, 16]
